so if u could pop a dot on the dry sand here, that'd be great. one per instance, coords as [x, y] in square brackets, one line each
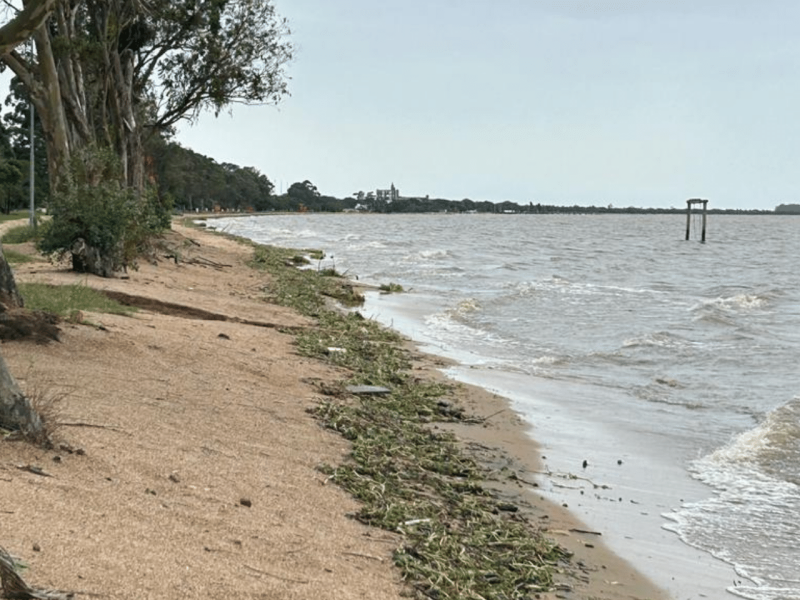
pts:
[188, 465]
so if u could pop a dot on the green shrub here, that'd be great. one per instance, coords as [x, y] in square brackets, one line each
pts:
[93, 205]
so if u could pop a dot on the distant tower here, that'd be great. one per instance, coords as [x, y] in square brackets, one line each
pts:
[389, 195]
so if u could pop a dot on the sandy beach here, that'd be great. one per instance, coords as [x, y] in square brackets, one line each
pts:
[186, 463]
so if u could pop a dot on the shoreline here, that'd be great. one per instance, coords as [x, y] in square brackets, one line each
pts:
[624, 501]
[503, 441]
[504, 445]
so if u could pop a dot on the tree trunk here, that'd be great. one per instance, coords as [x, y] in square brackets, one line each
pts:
[16, 411]
[9, 294]
[88, 259]
[51, 110]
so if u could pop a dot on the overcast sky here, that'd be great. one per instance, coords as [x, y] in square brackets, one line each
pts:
[624, 102]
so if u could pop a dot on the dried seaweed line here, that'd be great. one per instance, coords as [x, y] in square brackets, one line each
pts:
[15, 588]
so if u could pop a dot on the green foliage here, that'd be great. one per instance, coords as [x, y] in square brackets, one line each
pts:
[196, 181]
[93, 205]
[303, 289]
[305, 192]
[391, 288]
[221, 52]
[15, 145]
[415, 481]
[11, 172]
[67, 300]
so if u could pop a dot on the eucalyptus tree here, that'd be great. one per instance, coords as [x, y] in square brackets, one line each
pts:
[16, 410]
[111, 73]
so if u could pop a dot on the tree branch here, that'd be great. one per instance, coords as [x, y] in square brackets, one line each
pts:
[20, 28]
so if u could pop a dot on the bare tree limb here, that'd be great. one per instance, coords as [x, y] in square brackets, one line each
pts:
[21, 27]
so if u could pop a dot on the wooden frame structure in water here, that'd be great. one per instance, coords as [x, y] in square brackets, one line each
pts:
[689, 205]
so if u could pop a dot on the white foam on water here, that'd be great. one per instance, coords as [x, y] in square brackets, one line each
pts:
[752, 519]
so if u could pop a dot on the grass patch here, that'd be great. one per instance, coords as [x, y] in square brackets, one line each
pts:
[69, 300]
[15, 258]
[458, 540]
[46, 403]
[21, 234]
[15, 215]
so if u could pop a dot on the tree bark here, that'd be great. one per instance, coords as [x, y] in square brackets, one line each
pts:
[16, 411]
[9, 294]
[88, 259]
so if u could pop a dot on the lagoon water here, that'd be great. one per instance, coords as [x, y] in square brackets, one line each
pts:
[671, 367]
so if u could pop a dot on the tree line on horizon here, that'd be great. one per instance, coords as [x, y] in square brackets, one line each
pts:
[190, 181]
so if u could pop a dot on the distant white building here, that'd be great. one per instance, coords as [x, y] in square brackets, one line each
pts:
[388, 195]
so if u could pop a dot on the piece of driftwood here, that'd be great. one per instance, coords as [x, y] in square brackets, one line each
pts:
[34, 469]
[93, 425]
[205, 262]
[585, 531]
[367, 389]
[14, 586]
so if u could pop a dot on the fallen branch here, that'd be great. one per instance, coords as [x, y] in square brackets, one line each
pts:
[586, 531]
[572, 477]
[206, 262]
[494, 414]
[35, 470]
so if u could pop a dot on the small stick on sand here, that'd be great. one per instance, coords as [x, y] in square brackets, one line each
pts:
[94, 425]
[494, 414]
[35, 470]
[378, 558]
[301, 581]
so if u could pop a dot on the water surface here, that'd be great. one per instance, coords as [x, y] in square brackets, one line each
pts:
[669, 366]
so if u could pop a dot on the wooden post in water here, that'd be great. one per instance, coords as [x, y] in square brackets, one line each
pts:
[689, 204]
